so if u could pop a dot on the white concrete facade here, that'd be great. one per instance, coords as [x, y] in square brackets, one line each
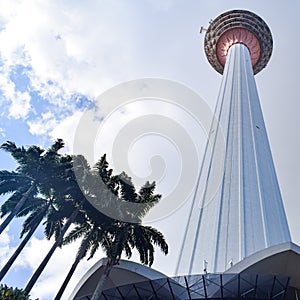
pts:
[237, 208]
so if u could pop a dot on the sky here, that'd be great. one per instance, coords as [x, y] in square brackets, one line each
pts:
[58, 58]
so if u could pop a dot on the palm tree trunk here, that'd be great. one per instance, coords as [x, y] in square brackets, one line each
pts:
[99, 288]
[78, 258]
[16, 209]
[18, 251]
[36, 222]
[45, 261]
[67, 279]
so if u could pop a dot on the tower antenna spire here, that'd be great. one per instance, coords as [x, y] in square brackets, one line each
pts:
[202, 30]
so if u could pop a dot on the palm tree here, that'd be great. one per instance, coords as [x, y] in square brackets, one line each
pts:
[124, 239]
[98, 229]
[46, 184]
[33, 170]
[124, 236]
[52, 168]
[92, 229]
[72, 209]
[22, 191]
[31, 223]
[92, 239]
[56, 244]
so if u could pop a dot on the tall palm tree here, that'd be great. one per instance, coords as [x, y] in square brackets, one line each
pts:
[92, 235]
[72, 209]
[93, 227]
[52, 169]
[56, 244]
[125, 236]
[22, 191]
[46, 184]
[33, 168]
[97, 231]
[31, 223]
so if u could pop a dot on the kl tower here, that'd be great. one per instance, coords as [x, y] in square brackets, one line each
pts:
[237, 223]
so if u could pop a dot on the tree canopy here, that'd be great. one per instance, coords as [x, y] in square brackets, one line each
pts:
[73, 200]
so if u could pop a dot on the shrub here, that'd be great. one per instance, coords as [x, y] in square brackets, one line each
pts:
[10, 293]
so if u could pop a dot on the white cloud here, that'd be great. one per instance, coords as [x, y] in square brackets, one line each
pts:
[20, 105]
[2, 132]
[78, 47]
[5, 250]
[19, 102]
[43, 124]
[66, 130]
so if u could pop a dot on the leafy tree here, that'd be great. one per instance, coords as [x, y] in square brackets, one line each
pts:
[10, 293]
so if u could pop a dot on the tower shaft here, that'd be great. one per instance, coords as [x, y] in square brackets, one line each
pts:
[239, 212]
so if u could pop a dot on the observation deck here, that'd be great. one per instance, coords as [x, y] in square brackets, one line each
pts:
[238, 26]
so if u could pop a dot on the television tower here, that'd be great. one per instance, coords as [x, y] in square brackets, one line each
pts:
[239, 212]
[237, 243]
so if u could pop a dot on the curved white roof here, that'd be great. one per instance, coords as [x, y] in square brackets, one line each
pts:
[124, 273]
[282, 259]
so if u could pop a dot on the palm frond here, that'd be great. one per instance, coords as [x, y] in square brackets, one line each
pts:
[33, 219]
[75, 233]
[93, 250]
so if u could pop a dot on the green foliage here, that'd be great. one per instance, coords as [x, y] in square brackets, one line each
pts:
[10, 293]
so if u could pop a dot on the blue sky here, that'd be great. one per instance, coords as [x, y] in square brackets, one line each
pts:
[56, 57]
